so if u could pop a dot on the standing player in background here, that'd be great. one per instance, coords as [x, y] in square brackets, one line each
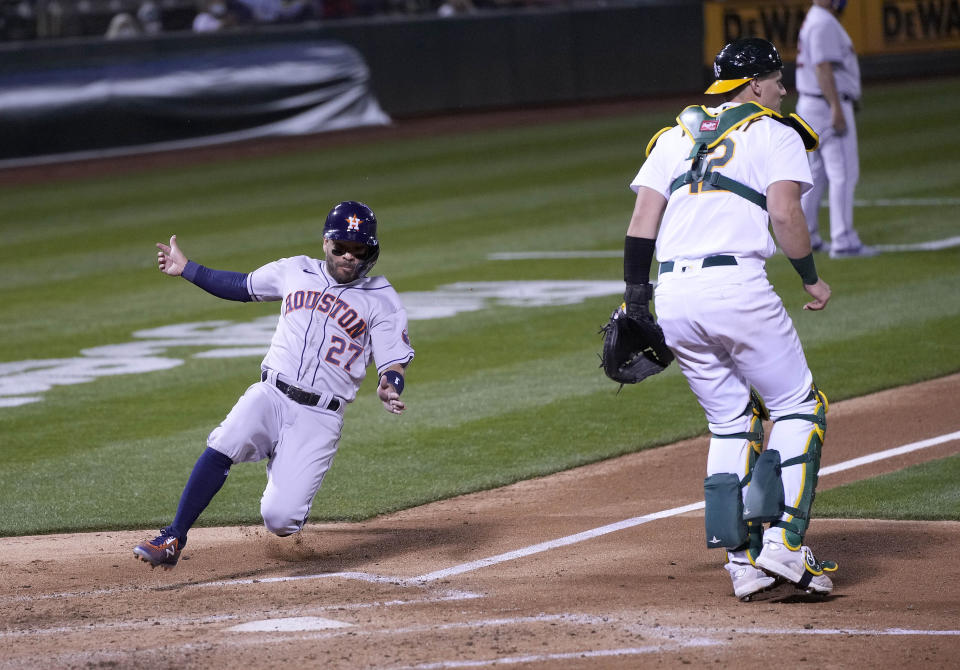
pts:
[706, 194]
[828, 84]
[333, 320]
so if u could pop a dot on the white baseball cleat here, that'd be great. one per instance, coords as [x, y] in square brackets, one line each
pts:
[798, 567]
[748, 580]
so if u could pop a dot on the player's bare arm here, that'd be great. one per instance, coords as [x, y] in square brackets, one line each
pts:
[828, 84]
[647, 211]
[170, 259]
[790, 229]
[390, 388]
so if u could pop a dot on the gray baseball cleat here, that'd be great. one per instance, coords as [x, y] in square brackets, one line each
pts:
[863, 251]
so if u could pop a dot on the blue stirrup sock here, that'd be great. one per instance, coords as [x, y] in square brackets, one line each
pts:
[207, 478]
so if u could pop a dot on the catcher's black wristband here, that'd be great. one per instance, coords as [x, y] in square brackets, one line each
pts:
[637, 256]
[806, 268]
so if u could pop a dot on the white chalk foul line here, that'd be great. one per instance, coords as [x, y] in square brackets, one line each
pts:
[889, 453]
[934, 245]
[553, 544]
[636, 521]
[360, 576]
[539, 658]
[896, 632]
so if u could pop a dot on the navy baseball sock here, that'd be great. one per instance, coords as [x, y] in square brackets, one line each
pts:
[207, 478]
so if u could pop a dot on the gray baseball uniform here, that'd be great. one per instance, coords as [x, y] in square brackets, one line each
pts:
[835, 165]
[325, 337]
[334, 320]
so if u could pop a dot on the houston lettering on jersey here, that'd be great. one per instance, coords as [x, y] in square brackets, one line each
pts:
[325, 303]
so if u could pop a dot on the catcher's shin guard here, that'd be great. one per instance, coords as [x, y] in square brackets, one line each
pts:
[723, 511]
[763, 501]
[798, 437]
[730, 465]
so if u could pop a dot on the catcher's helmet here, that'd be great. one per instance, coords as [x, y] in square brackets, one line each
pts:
[354, 222]
[742, 60]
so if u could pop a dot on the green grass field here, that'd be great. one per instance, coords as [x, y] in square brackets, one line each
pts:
[495, 395]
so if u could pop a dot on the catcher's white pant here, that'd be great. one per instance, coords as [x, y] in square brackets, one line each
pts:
[834, 165]
[729, 330]
[299, 440]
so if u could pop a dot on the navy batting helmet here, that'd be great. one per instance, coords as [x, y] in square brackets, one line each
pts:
[354, 222]
[742, 60]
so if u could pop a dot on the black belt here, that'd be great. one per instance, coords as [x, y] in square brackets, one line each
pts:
[708, 262]
[300, 396]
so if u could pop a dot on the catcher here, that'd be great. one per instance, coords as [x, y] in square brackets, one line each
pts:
[707, 194]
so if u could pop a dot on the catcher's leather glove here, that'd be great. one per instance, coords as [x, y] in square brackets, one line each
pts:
[633, 343]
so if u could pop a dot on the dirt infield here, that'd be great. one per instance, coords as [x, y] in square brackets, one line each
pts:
[534, 575]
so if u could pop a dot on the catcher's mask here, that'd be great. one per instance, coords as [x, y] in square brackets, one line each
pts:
[742, 60]
[353, 221]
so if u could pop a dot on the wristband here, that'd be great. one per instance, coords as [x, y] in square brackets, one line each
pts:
[637, 256]
[395, 379]
[806, 268]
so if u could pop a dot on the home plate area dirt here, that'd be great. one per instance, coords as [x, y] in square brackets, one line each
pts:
[604, 566]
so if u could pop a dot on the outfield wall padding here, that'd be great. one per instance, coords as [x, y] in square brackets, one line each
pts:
[420, 65]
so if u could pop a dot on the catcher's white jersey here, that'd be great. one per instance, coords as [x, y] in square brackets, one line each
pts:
[823, 40]
[701, 220]
[328, 332]
[724, 322]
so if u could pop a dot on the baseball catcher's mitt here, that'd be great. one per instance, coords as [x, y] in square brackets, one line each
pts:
[633, 348]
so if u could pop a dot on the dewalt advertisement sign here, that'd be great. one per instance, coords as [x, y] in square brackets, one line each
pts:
[875, 26]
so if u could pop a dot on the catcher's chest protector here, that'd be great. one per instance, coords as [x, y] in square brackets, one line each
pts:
[707, 131]
[704, 128]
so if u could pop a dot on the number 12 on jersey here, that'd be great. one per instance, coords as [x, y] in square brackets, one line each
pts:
[714, 162]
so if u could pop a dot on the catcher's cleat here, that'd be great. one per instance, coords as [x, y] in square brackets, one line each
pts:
[163, 550]
[799, 567]
[748, 580]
